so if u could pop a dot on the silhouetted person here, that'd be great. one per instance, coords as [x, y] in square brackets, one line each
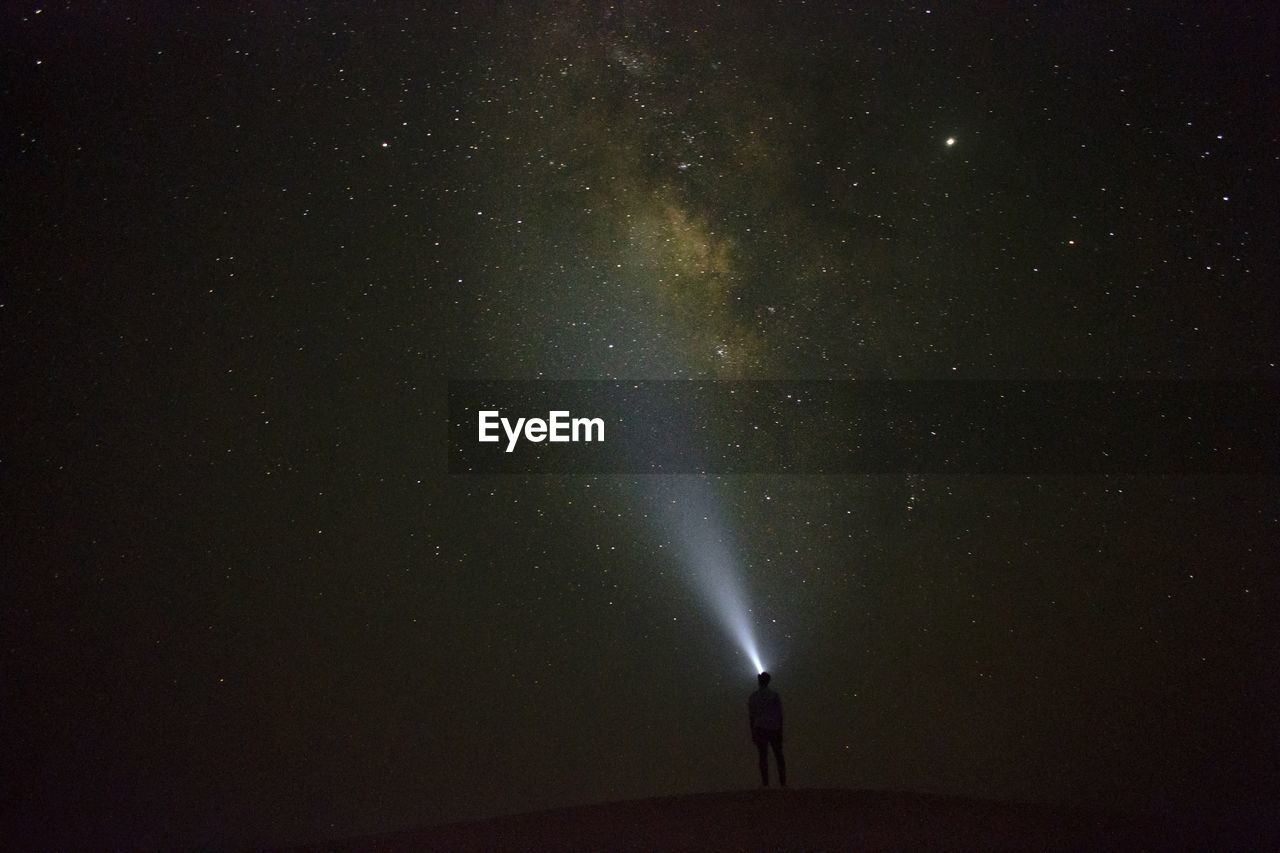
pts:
[764, 712]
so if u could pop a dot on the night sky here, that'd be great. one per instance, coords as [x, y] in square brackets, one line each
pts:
[247, 245]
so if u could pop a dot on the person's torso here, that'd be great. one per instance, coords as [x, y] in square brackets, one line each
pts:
[766, 709]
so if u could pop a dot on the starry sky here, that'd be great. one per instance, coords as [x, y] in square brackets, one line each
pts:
[246, 246]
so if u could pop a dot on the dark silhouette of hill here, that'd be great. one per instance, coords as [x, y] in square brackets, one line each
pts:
[793, 820]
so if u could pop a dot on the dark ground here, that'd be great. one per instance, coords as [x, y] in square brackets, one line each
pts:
[812, 820]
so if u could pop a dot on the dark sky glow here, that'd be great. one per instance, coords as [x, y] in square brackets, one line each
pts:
[247, 246]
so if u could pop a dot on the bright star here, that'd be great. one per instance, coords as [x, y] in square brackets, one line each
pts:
[951, 140]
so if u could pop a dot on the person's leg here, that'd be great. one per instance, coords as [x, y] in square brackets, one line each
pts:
[762, 746]
[782, 764]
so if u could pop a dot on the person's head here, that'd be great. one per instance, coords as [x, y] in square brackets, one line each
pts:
[764, 679]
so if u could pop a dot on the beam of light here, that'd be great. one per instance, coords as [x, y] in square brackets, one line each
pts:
[687, 510]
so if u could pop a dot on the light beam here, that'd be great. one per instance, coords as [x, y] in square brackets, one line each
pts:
[688, 509]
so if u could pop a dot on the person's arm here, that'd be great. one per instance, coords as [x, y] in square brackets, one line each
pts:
[751, 715]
